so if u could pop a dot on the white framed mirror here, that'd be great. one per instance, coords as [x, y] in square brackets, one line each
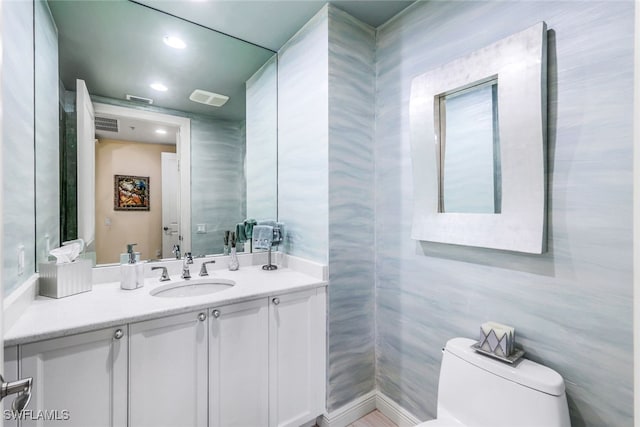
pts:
[478, 130]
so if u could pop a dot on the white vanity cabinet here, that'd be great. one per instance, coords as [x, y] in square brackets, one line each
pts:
[259, 362]
[168, 371]
[238, 364]
[10, 374]
[297, 336]
[84, 374]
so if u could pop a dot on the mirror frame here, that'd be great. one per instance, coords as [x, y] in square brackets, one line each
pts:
[520, 64]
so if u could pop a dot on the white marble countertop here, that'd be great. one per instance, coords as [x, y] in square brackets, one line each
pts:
[107, 305]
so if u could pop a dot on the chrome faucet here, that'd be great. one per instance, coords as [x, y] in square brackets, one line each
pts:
[176, 251]
[188, 259]
[165, 276]
[203, 268]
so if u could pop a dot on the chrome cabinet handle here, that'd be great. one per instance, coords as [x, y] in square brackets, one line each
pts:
[202, 317]
[23, 390]
[275, 301]
[215, 313]
[118, 334]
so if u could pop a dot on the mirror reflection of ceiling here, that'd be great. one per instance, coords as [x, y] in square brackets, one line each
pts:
[117, 47]
[122, 128]
[270, 23]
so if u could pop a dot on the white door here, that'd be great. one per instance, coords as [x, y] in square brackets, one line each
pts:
[238, 365]
[86, 143]
[168, 372]
[170, 186]
[296, 358]
[84, 375]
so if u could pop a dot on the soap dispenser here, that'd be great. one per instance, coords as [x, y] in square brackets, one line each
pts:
[131, 273]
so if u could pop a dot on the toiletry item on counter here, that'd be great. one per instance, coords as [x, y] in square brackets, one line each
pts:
[233, 259]
[124, 257]
[70, 274]
[68, 252]
[64, 279]
[226, 242]
[131, 273]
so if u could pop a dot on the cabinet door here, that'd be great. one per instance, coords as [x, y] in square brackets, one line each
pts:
[238, 365]
[80, 380]
[168, 371]
[296, 358]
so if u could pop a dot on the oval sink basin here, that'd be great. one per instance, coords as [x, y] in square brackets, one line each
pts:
[192, 288]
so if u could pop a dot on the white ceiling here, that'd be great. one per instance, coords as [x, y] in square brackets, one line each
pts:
[270, 23]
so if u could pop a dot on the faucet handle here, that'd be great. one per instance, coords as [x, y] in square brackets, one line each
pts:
[203, 268]
[188, 258]
[164, 276]
[176, 251]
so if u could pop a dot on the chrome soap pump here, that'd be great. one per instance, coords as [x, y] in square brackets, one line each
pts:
[131, 273]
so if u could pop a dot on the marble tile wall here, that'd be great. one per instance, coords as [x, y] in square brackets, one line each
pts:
[47, 148]
[572, 306]
[262, 142]
[17, 143]
[351, 364]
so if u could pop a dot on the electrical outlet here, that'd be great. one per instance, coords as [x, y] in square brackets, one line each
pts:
[202, 228]
[158, 253]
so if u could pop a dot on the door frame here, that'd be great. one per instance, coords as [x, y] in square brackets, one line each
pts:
[183, 154]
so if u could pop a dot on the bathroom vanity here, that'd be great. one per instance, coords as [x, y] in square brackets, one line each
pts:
[251, 355]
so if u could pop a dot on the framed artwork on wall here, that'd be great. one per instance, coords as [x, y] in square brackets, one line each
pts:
[131, 193]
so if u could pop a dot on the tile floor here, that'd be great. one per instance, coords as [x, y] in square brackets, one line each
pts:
[374, 419]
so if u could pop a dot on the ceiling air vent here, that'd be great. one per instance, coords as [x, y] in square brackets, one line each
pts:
[208, 98]
[106, 124]
[140, 99]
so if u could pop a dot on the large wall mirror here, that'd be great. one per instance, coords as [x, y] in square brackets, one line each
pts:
[185, 114]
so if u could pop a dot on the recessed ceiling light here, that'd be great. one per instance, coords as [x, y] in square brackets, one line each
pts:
[174, 42]
[161, 131]
[159, 87]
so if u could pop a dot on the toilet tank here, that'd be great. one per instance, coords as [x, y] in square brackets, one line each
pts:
[476, 390]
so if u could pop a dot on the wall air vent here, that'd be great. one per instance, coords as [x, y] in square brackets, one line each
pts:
[139, 99]
[106, 124]
[208, 98]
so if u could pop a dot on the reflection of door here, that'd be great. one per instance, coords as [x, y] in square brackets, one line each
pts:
[170, 180]
[86, 164]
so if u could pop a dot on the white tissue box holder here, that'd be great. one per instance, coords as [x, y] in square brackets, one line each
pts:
[63, 280]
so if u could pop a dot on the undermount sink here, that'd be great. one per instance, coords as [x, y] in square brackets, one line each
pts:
[192, 288]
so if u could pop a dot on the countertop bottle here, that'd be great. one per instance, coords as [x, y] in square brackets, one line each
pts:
[131, 273]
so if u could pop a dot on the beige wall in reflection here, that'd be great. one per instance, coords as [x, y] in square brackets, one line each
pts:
[114, 229]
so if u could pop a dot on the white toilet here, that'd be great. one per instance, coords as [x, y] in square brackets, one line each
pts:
[478, 391]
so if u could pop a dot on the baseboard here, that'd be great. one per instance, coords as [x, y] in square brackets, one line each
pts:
[350, 412]
[396, 413]
[360, 407]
